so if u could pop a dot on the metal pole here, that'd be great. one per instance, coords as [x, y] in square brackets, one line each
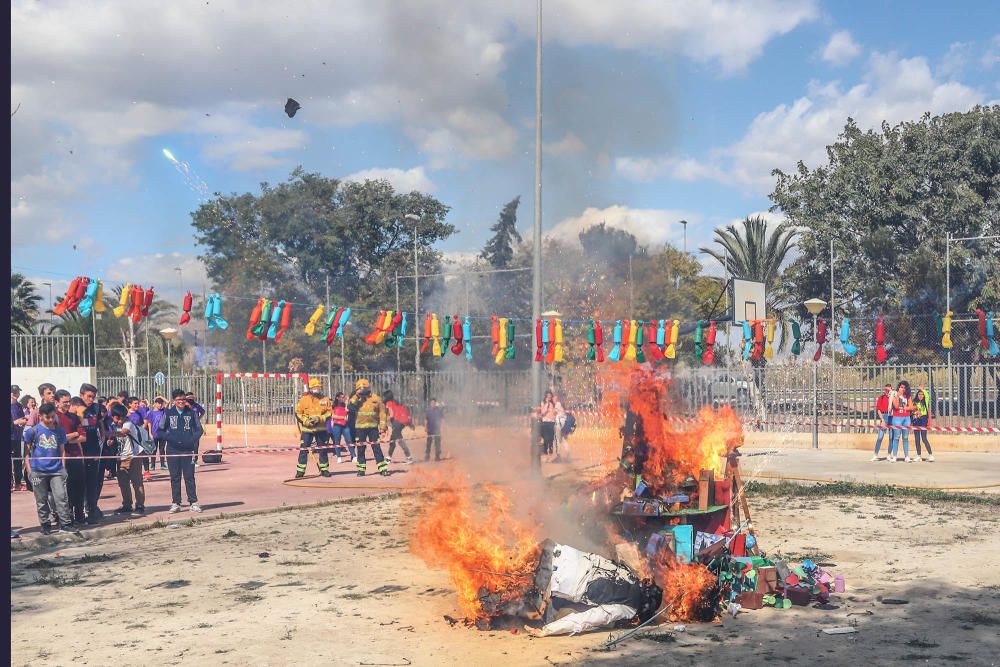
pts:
[329, 354]
[630, 287]
[416, 301]
[833, 354]
[398, 363]
[263, 354]
[815, 429]
[170, 372]
[947, 309]
[343, 380]
[536, 281]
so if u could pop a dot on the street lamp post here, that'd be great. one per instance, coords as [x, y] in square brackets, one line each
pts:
[815, 307]
[536, 278]
[51, 305]
[416, 289]
[685, 223]
[168, 335]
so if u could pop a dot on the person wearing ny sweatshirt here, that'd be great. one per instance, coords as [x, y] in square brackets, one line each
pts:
[182, 429]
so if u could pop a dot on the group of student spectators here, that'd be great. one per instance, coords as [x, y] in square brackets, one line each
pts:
[903, 410]
[64, 447]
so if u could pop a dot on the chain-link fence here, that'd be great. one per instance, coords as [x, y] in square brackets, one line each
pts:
[787, 396]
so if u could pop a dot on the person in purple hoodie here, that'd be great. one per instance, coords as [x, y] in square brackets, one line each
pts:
[154, 418]
[18, 419]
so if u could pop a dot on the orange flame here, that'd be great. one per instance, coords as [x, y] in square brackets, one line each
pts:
[686, 590]
[676, 450]
[480, 546]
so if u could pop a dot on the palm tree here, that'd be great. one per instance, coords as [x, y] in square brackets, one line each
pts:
[756, 254]
[23, 304]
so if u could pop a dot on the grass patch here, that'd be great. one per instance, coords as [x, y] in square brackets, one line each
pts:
[48, 578]
[885, 517]
[171, 605]
[137, 528]
[830, 489]
[354, 596]
[661, 637]
[296, 563]
[251, 585]
[87, 558]
[794, 556]
[249, 597]
[978, 618]
[42, 564]
[230, 533]
[920, 643]
[136, 626]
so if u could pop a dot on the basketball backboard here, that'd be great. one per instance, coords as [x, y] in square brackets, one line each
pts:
[748, 300]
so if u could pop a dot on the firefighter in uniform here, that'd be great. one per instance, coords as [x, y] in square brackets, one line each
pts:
[312, 412]
[371, 421]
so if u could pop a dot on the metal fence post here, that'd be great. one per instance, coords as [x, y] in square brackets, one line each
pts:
[815, 428]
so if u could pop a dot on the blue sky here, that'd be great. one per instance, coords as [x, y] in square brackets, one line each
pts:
[672, 110]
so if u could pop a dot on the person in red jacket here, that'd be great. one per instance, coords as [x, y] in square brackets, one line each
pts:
[884, 417]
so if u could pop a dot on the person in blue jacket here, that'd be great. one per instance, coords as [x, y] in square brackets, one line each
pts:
[181, 428]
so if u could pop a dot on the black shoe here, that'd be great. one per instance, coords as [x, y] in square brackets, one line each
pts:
[79, 519]
[69, 529]
[46, 529]
[93, 520]
[385, 473]
[299, 474]
[326, 473]
[138, 511]
[123, 510]
[361, 473]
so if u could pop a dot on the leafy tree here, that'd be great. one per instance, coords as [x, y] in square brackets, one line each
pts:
[610, 245]
[23, 304]
[289, 240]
[887, 200]
[499, 250]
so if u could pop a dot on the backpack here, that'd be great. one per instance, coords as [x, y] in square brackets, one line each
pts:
[402, 414]
[146, 443]
[569, 426]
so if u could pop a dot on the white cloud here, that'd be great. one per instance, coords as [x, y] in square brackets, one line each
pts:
[159, 270]
[956, 60]
[649, 226]
[992, 55]
[570, 144]
[893, 89]
[841, 49]
[403, 181]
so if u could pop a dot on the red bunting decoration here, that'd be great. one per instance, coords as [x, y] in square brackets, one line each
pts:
[135, 306]
[983, 337]
[380, 327]
[147, 302]
[188, 302]
[880, 353]
[598, 340]
[286, 319]
[68, 299]
[820, 339]
[758, 339]
[456, 328]
[336, 323]
[254, 315]
[708, 358]
[538, 339]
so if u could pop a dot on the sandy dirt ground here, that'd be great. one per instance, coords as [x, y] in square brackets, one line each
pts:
[340, 587]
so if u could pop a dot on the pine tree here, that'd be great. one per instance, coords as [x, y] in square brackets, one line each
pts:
[499, 250]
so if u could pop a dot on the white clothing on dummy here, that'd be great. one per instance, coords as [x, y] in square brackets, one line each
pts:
[572, 572]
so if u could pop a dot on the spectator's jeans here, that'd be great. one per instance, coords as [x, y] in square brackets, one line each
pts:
[342, 430]
[548, 437]
[433, 439]
[397, 439]
[17, 466]
[896, 433]
[161, 447]
[76, 487]
[129, 480]
[45, 483]
[921, 435]
[887, 420]
[181, 466]
[94, 482]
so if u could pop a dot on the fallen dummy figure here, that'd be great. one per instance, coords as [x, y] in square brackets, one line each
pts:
[584, 591]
